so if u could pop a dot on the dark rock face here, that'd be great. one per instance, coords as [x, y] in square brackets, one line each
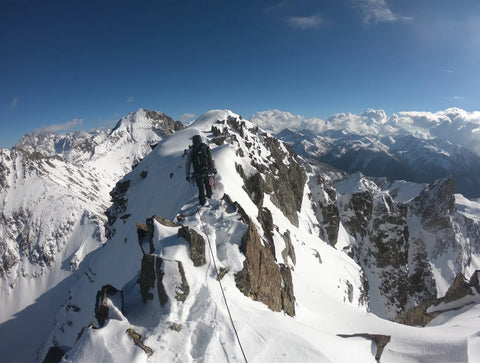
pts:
[280, 175]
[444, 232]
[54, 355]
[261, 278]
[421, 281]
[361, 204]
[396, 244]
[287, 294]
[150, 272]
[435, 212]
[289, 251]
[265, 217]
[196, 243]
[255, 185]
[145, 236]
[153, 270]
[118, 207]
[289, 180]
[424, 313]
[381, 231]
[324, 204]
[101, 302]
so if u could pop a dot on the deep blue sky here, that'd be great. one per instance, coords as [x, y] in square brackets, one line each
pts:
[88, 63]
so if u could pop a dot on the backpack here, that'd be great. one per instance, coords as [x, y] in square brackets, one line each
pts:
[201, 158]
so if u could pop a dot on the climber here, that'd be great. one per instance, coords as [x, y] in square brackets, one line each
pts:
[203, 167]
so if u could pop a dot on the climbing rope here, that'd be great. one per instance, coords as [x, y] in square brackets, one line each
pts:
[218, 277]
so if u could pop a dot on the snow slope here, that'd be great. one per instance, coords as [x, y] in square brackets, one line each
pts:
[55, 190]
[328, 286]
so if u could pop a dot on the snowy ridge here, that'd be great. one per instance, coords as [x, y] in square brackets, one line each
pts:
[305, 252]
[330, 323]
[55, 190]
[225, 232]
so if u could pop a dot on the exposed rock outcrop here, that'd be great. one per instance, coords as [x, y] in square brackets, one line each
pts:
[398, 244]
[137, 339]
[262, 278]
[54, 355]
[152, 273]
[279, 174]
[380, 341]
[196, 243]
[101, 302]
[424, 313]
[118, 207]
[380, 228]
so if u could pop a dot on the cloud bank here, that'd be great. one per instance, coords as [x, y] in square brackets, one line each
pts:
[454, 125]
[276, 121]
[369, 122]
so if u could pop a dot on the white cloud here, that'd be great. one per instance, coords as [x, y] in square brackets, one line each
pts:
[458, 97]
[305, 22]
[454, 124]
[15, 102]
[276, 121]
[369, 122]
[129, 99]
[65, 126]
[377, 11]
[186, 117]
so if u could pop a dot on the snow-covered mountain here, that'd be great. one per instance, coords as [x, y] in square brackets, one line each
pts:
[414, 146]
[396, 157]
[410, 239]
[54, 193]
[286, 263]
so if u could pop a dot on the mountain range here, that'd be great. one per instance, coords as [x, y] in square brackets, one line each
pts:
[106, 255]
[379, 147]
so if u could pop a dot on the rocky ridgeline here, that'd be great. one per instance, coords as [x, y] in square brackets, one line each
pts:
[274, 171]
[53, 184]
[462, 293]
[396, 244]
[268, 169]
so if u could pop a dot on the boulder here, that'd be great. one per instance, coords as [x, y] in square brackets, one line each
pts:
[196, 243]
